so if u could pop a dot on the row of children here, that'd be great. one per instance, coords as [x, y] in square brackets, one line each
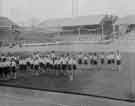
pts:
[59, 64]
[8, 67]
[99, 59]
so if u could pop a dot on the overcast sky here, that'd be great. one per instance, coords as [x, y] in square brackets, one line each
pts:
[22, 10]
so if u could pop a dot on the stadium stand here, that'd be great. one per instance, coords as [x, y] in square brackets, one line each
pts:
[89, 28]
[83, 25]
[8, 31]
[126, 24]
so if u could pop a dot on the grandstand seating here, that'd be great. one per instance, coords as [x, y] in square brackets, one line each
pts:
[7, 35]
[82, 37]
[36, 36]
[33, 36]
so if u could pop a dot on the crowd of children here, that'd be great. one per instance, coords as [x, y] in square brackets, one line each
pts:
[60, 64]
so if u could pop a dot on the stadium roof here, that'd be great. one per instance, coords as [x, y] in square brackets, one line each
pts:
[76, 21]
[126, 20]
[5, 22]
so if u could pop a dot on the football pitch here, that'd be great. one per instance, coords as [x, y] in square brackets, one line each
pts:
[105, 83]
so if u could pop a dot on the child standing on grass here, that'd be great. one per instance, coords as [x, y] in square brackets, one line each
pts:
[118, 60]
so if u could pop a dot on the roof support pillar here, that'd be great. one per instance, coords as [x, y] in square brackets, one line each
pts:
[102, 30]
[79, 31]
[97, 29]
[119, 31]
[113, 32]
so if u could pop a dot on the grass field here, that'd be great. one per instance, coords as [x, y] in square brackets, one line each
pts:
[105, 83]
[25, 97]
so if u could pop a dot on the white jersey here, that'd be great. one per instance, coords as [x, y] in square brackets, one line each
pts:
[1, 64]
[53, 55]
[51, 61]
[61, 60]
[43, 61]
[67, 59]
[101, 56]
[10, 63]
[56, 62]
[40, 60]
[74, 62]
[31, 61]
[36, 62]
[47, 60]
[37, 56]
[64, 61]
[110, 56]
[22, 62]
[70, 61]
[5, 64]
[118, 57]
[90, 56]
[13, 64]
[80, 56]
[28, 59]
[94, 57]
[85, 58]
